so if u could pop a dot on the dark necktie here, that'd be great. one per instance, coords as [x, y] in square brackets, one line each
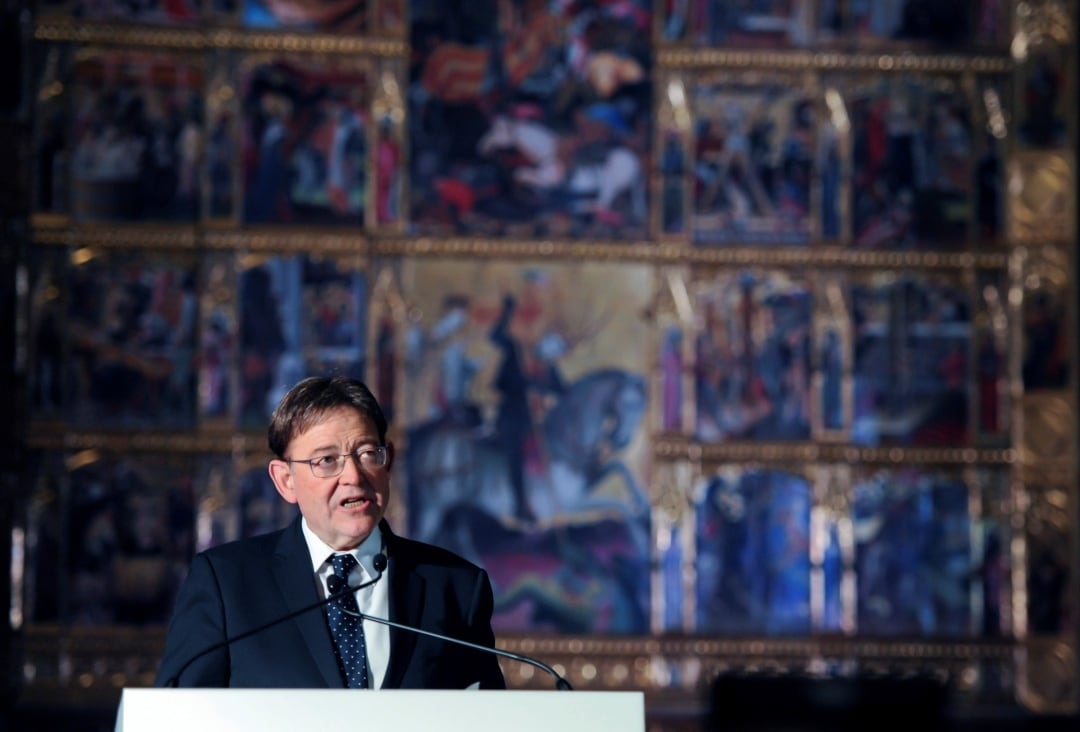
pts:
[347, 630]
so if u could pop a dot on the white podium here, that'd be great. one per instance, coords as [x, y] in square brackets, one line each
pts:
[393, 710]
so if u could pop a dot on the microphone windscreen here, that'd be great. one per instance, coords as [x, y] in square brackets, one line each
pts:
[379, 561]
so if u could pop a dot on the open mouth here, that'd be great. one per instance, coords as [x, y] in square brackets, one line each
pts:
[355, 502]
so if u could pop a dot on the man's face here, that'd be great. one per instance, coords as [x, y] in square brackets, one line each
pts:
[344, 509]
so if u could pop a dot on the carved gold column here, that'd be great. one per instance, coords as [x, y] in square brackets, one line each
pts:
[1041, 186]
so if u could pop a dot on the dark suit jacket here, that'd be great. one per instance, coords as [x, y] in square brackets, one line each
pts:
[242, 585]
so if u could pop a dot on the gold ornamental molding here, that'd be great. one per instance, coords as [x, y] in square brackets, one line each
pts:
[1041, 23]
[601, 250]
[76, 665]
[673, 448]
[325, 241]
[70, 30]
[1049, 431]
[901, 61]
[104, 33]
[53, 437]
[1049, 511]
[200, 39]
[53, 229]
[662, 253]
[661, 665]
[1041, 197]
[57, 436]
[72, 666]
[134, 237]
[1049, 683]
[758, 648]
[316, 43]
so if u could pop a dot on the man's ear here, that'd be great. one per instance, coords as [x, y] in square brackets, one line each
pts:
[389, 455]
[282, 475]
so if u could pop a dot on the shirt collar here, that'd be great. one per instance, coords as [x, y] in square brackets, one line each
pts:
[319, 550]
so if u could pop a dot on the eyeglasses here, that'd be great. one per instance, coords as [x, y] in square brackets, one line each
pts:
[328, 466]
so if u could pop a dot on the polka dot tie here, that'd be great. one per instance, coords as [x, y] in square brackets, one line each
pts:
[347, 630]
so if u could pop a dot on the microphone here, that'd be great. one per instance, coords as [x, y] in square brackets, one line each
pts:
[561, 683]
[338, 589]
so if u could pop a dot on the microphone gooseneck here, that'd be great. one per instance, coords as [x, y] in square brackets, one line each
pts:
[560, 683]
[336, 592]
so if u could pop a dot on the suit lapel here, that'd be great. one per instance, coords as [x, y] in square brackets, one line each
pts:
[406, 607]
[292, 572]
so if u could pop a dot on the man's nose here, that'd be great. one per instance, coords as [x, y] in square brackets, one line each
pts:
[352, 465]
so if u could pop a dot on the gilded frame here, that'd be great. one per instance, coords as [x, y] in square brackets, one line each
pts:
[1039, 456]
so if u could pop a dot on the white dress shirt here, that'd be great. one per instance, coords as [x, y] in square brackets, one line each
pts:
[373, 600]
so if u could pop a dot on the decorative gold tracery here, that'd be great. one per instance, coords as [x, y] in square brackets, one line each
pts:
[1040, 456]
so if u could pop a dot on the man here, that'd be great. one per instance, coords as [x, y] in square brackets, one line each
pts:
[513, 422]
[332, 460]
